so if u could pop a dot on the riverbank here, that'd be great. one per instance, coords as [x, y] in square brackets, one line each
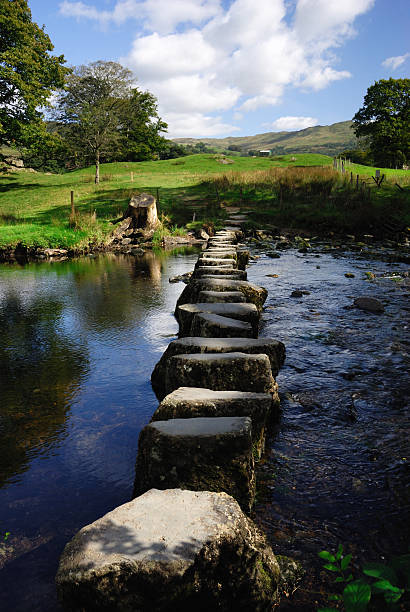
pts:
[301, 191]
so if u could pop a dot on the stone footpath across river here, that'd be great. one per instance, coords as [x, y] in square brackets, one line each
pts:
[184, 541]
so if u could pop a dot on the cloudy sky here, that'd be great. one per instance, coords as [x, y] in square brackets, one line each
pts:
[239, 67]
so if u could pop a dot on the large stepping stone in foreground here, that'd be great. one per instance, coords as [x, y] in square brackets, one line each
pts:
[242, 312]
[274, 349]
[253, 294]
[220, 372]
[221, 296]
[192, 402]
[170, 550]
[209, 325]
[223, 271]
[199, 454]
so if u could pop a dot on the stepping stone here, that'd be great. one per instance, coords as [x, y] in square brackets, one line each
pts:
[219, 253]
[253, 294]
[242, 312]
[242, 258]
[219, 263]
[274, 349]
[220, 372]
[170, 550]
[221, 296]
[193, 402]
[214, 271]
[200, 454]
[208, 325]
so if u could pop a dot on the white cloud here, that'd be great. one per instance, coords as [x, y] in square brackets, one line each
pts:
[395, 62]
[197, 124]
[285, 124]
[200, 57]
[160, 15]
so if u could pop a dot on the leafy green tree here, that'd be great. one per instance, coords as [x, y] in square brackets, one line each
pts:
[385, 120]
[28, 73]
[104, 116]
[91, 106]
[141, 127]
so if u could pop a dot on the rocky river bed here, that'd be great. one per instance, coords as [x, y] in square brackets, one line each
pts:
[337, 468]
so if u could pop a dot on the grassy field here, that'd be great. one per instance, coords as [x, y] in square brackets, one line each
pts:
[292, 190]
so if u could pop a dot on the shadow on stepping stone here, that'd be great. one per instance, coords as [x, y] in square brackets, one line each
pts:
[170, 551]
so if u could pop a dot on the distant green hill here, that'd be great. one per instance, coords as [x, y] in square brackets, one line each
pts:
[326, 139]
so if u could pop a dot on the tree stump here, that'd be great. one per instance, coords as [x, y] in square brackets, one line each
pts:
[142, 209]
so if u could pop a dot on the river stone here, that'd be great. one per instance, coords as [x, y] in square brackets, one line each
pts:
[209, 325]
[221, 296]
[253, 294]
[242, 258]
[220, 372]
[219, 263]
[219, 254]
[167, 551]
[274, 349]
[191, 402]
[214, 271]
[369, 304]
[242, 312]
[199, 454]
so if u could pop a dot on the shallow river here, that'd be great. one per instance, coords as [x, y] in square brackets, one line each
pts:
[78, 343]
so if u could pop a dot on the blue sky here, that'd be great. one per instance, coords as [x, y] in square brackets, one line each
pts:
[239, 67]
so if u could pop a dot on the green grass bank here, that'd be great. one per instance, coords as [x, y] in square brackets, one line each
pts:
[290, 191]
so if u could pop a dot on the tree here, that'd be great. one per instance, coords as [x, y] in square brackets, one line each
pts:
[28, 73]
[141, 127]
[385, 120]
[91, 105]
[105, 116]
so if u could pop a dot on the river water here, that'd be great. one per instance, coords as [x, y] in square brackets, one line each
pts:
[78, 343]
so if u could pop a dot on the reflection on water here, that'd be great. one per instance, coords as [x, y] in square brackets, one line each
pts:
[78, 342]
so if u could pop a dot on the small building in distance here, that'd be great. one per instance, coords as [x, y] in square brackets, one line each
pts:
[264, 153]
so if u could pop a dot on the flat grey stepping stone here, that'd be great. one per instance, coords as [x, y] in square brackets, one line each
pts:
[242, 312]
[240, 217]
[169, 550]
[234, 222]
[253, 294]
[235, 275]
[220, 372]
[221, 296]
[219, 253]
[192, 402]
[215, 262]
[200, 454]
[216, 271]
[209, 325]
[274, 349]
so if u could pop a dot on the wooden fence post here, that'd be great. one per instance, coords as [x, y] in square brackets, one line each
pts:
[72, 203]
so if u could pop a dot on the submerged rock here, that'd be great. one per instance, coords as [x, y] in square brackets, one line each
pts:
[166, 551]
[370, 304]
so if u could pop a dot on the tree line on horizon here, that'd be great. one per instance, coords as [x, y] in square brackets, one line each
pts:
[95, 113]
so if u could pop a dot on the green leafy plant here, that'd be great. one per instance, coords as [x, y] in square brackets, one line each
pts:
[358, 593]
[6, 536]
